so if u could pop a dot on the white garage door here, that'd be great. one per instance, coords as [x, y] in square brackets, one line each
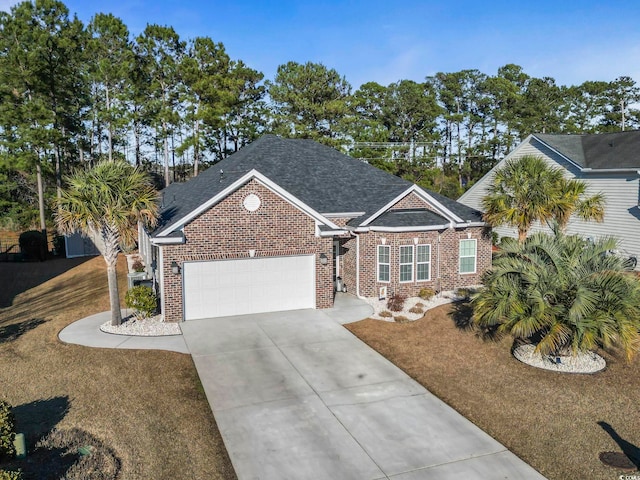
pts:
[253, 285]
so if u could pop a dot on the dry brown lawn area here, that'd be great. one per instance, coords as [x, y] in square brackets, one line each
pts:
[148, 406]
[549, 419]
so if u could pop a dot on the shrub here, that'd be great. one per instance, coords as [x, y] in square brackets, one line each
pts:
[426, 293]
[7, 431]
[416, 309]
[141, 299]
[464, 293]
[401, 319]
[419, 305]
[59, 245]
[396, 302]
[33, 245]
[10, 475]
[137, 266]
[385, 314]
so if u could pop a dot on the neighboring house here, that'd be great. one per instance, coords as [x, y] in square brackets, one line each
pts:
[609, 163]
[273, 226]
[78, 245]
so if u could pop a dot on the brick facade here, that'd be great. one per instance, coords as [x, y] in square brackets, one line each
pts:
[277, 228]
[444, 267]
[228, 230]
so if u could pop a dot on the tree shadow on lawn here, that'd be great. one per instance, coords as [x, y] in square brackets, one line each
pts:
[629, 449]
[462, 315]
[36, 420]
[12, 332]
[52, 453]
[19, 277]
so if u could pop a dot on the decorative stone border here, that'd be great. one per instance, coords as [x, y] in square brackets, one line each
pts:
[588, 362]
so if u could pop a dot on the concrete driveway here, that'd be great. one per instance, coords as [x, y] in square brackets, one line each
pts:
[297, 396]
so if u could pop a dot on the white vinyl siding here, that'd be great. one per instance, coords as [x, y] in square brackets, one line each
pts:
[468, 256]
[384, 263]
[406, 263]
[423, 263]
[622, 215]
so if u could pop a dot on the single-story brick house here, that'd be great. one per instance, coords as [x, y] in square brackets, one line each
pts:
[273, 226]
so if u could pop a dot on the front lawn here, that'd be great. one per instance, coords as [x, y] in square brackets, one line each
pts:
[146, 406]
[548, 419]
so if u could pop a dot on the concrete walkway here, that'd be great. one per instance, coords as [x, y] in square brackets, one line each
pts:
[297, 396]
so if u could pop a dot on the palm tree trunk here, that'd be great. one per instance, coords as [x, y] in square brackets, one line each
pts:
[114, 296]
[110, 251]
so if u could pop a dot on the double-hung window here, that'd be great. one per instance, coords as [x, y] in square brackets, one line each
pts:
[423, 263]
[406, 263]
[384, 263]
[468, 253]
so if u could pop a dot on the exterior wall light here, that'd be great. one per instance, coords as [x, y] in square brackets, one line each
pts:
[175, 268]
[323, 259]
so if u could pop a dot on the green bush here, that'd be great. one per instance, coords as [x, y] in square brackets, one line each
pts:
[7, 431]
[33, 245]
[141, 299]
[426, 293]
[10, 475]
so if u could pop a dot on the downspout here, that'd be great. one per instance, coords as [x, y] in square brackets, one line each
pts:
[358, 266]
[160, 263]
[438, 264]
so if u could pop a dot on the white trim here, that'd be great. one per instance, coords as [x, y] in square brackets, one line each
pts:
[422, 228]
[343, 214]
[421, 193]
[412, 263]
[428, 279]
[336, 256]
[332, 233]
[168, 240]
[378, 263]
[253, 174]
[160, 269]
[475, 255]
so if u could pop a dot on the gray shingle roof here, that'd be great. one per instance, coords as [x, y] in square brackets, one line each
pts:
[409, 218]
[598, 151]
[320, 176]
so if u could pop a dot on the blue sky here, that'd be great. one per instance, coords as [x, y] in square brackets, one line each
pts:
[571, 41]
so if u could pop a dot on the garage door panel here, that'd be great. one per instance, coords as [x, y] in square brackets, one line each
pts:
[237, 287]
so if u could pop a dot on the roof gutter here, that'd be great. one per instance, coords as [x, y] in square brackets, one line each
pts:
[611, 170]
[333, 233]
[168, 240]
[418, 228]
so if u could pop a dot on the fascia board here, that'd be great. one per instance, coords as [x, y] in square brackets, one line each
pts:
[424, 228]
[343, 214]
[236, 185]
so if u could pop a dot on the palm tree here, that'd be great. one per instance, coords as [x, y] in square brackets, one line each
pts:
[564, 293]
[571, 200]
[520, 194]
[527, 190]
[105, 203]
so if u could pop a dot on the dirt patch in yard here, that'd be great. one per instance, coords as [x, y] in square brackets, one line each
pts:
[148, 407]
[551, 420]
